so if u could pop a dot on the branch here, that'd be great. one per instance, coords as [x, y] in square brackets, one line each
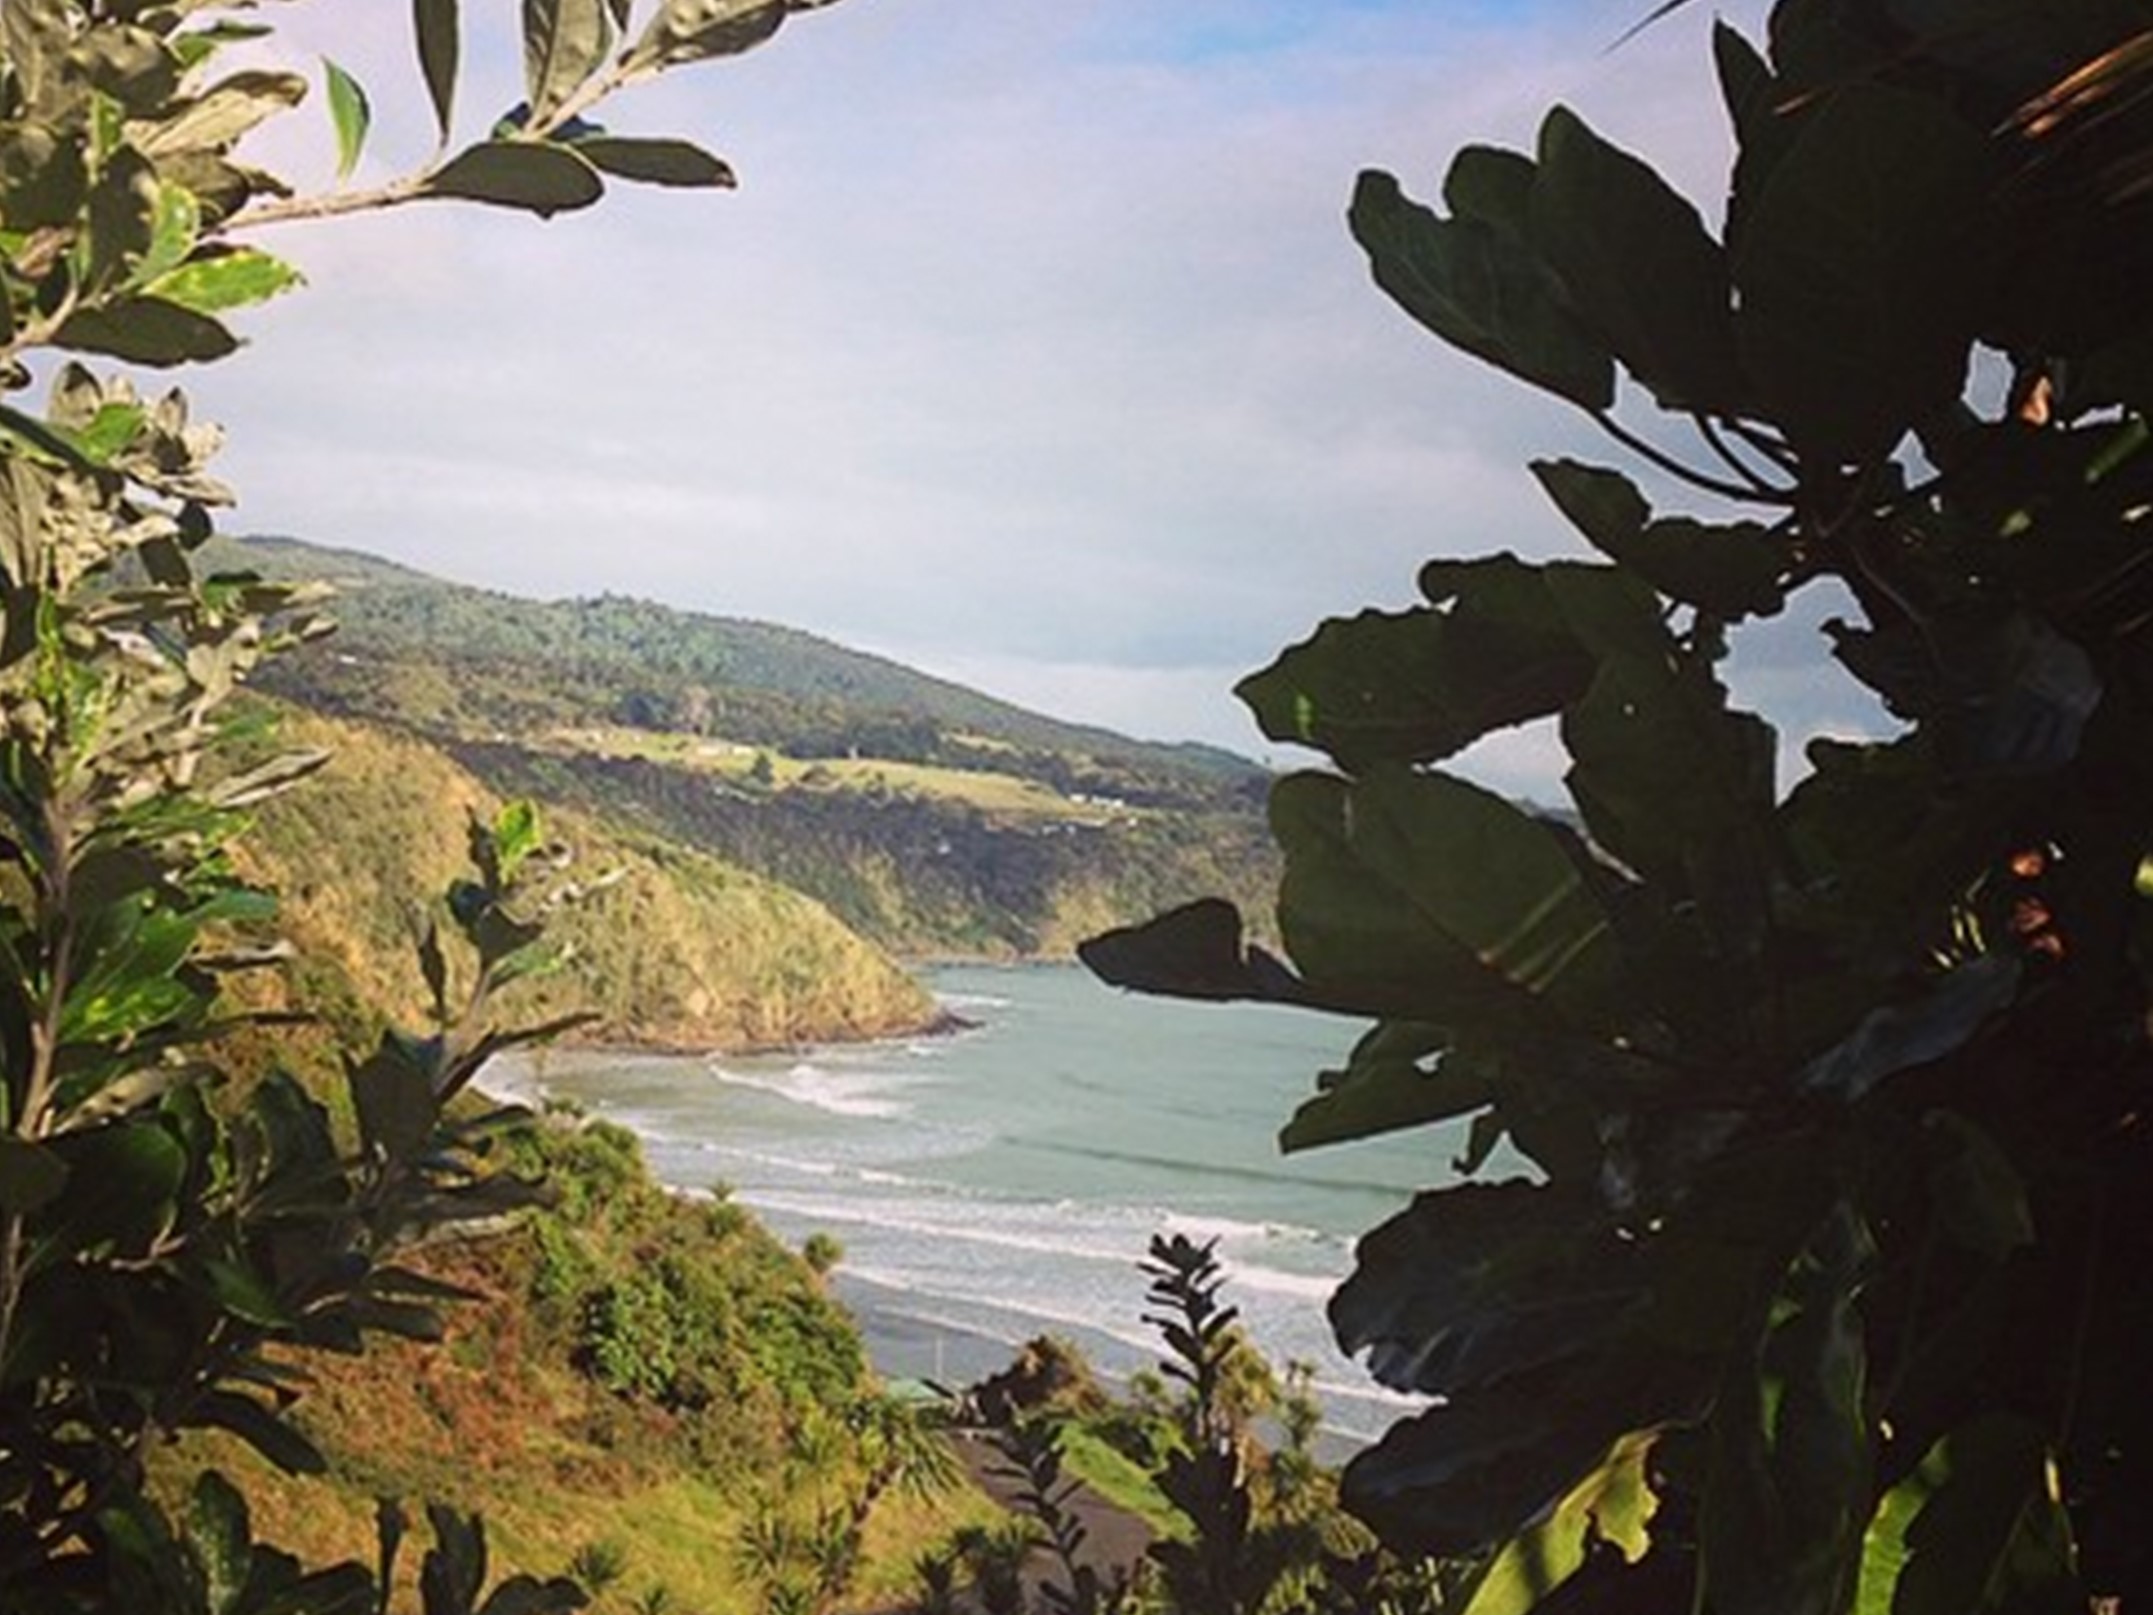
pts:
[286, 209]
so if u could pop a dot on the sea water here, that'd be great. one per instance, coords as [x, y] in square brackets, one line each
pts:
[1004, 1181]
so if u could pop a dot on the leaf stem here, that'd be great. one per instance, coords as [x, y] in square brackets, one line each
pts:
[1675, 468]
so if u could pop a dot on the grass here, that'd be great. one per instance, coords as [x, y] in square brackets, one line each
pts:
[1119, 1479]
[1004, 796]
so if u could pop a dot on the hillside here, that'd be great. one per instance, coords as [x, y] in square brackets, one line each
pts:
[676, 948]
[664, 669]
[932, 819]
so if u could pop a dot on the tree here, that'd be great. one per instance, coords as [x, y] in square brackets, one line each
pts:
[170, 1244]
[1816, 1275]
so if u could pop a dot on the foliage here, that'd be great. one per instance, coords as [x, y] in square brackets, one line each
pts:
[670, 947]
[169, 1251]
[1823, 1283]
[927, 817]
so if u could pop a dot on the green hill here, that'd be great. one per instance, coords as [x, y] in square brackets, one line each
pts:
[932, 819]
[675, 947]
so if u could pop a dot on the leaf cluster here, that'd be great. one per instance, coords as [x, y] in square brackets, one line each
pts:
[1779, 1103]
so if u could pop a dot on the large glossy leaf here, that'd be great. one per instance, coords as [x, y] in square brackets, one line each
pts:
[1481, 1471]
[1976, 1529]
[1945, 1014]
[395, 1101]
[1656, 713]
[1400, 1074]
[1194, 951]
[1613, 1505]
[563, 43]
[1479, 288]
[1445, 895]
[1478, 1284]
[537, 178]
[1862, 269]
[2002, 695]
[1419, 685]
[1637, 262]
[121, 1182]
[1730, 570]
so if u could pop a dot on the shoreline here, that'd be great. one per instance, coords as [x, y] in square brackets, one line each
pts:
[944, 1023]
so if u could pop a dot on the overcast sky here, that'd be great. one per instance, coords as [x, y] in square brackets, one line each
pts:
[1032, 350]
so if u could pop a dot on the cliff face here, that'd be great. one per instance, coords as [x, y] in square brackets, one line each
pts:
[676, 948]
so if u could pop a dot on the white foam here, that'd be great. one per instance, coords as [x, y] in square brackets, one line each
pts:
[840, 1093]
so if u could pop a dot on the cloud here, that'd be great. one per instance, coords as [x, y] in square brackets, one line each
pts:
[1033, 343]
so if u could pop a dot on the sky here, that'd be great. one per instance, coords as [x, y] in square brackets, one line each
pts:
[1032, 349]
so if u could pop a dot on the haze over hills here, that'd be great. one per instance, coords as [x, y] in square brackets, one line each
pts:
[932, 819]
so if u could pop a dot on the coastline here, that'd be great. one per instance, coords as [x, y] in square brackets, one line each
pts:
[943, 1023]
[861, 1139]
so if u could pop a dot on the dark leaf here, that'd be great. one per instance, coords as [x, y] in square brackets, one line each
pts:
[1419, 685]
[1478, 1284]
[1195, 951]
[527, 1595]
[437, 27]
[1976, 1529]
[1862, 269]
[657, 162]
[1426, 891]
[260, 1429]
[31, 1176]
[146, 331]
[1639, 266]
[536, 178]
[1729, 571]
[1788, 1499]
[1979, 1197]
[1899, 1036]
[220, 1539]
[1399, 1075]
[1479, 289]
[396, 1104]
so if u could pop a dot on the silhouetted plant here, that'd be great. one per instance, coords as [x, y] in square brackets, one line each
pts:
[1823, 1092]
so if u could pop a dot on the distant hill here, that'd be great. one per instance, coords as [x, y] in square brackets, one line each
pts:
[930, 818]
[657, 667]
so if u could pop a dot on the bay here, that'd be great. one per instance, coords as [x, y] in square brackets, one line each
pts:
[1003, 1182]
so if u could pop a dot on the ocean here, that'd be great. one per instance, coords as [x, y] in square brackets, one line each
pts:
[1003, 1182]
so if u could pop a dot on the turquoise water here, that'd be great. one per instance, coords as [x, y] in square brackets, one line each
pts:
[1004, 1182]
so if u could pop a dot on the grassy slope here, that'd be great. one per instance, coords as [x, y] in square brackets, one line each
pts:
[681, 949]
[512, 1414]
